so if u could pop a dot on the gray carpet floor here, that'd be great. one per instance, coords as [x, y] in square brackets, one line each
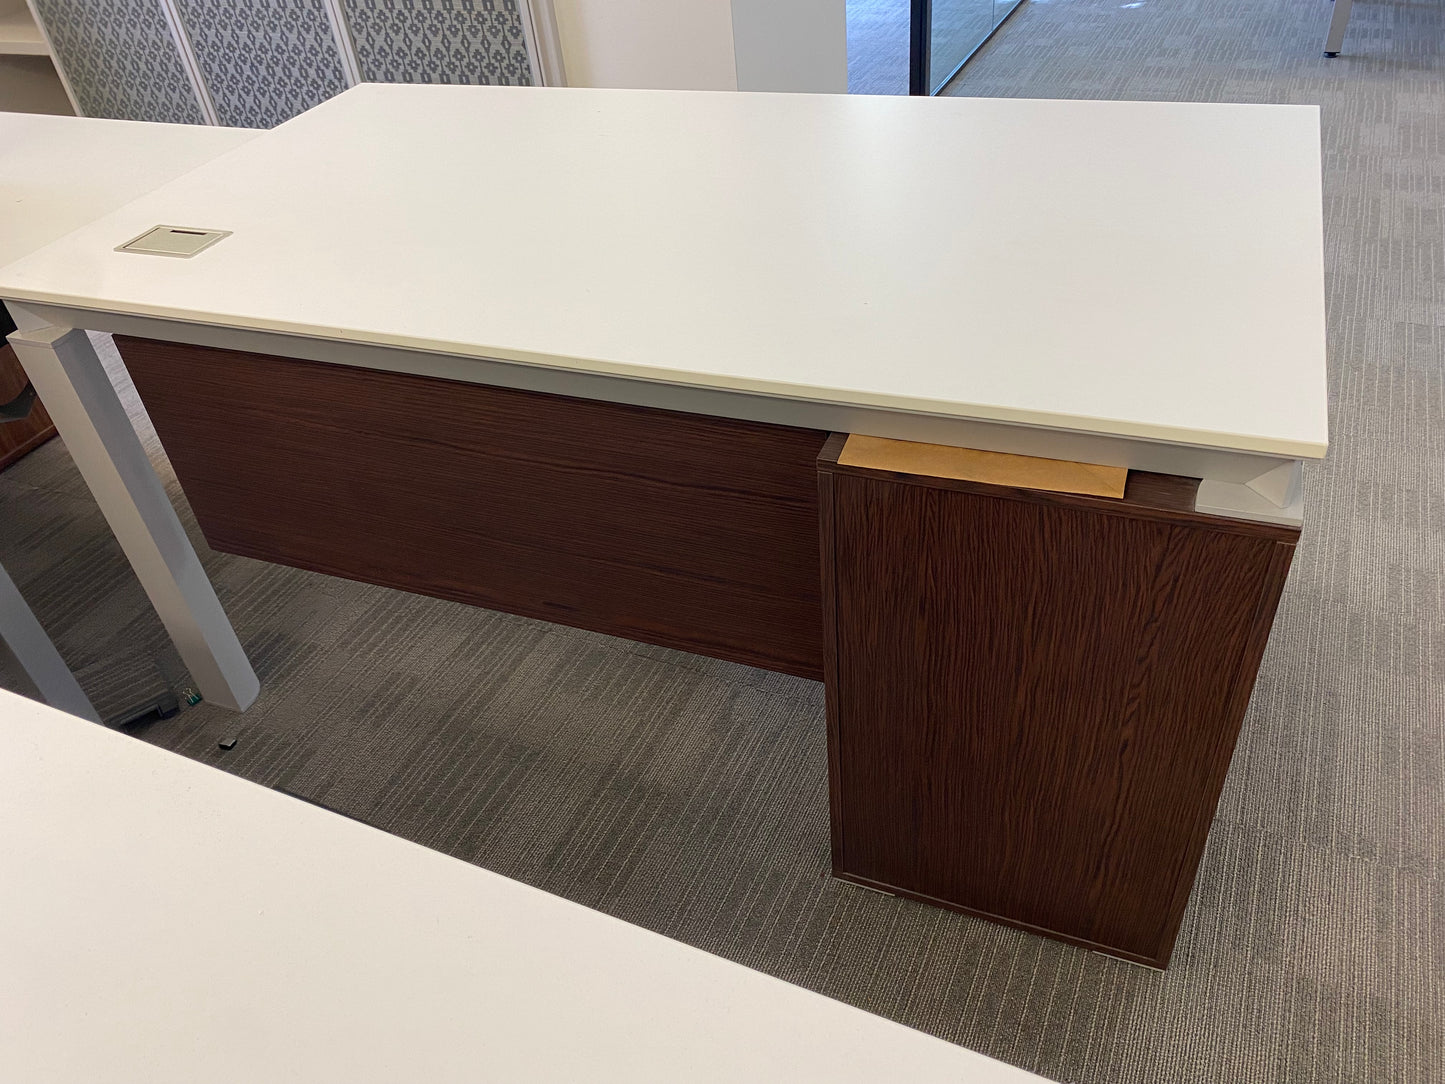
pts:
[689, 796]
[878, 46]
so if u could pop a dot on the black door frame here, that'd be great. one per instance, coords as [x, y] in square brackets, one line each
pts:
[920, 41]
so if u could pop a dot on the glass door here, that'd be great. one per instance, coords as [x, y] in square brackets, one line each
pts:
[943, 34]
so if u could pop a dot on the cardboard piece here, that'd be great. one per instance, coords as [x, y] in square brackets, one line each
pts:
[992, 468]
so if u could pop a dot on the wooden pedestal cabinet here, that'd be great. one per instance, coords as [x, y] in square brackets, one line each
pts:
[1033, 697]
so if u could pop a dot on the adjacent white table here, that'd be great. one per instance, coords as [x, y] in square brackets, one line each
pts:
[162, 921]
[56, 174]
[59, 173]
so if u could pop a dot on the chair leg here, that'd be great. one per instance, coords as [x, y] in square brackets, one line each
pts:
[1338, 21]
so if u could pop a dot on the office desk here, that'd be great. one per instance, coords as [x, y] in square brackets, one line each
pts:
[165, 921]
[578, 355]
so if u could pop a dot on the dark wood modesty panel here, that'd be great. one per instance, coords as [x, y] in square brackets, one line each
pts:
[1033, 698]
[676, 529]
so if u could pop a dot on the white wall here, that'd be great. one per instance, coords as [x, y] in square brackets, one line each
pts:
[705, 44]
[791, 45]
[658, 44]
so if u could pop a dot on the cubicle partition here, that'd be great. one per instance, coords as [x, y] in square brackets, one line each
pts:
[256, 63]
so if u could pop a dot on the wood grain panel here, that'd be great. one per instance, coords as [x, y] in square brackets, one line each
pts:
[1035, 697]
[18, 438]
[675, 529]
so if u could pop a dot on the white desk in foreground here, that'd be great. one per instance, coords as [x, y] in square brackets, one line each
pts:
[591, 357]
[162, 922]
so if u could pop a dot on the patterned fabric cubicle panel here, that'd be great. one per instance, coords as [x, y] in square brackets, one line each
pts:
[439, 41]
[263, 61]
[121, 59]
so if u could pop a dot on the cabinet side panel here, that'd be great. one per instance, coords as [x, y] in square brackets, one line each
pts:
[1036, 704]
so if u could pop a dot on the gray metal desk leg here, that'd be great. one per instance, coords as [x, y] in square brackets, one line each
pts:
[22, 635]
[64, 367]
[1341, 19]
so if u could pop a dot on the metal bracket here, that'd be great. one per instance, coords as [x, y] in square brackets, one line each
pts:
[1275, 496]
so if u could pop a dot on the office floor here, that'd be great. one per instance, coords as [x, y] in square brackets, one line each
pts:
[689, 796]
[878, 46]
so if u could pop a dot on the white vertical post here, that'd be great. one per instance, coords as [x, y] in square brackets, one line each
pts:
[791, 45]
[544, 45]
[22, 635]
[78, 395]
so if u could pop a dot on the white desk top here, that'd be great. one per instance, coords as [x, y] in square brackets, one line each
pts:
[1141, 270]
[58, 173]
[162, 921]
